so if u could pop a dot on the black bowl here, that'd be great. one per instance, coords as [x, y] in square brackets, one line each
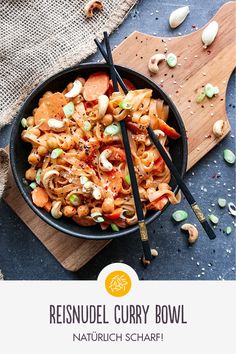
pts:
[19, 150]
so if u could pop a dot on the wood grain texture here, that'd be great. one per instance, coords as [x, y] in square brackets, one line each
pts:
[196, 67]
[217, 63]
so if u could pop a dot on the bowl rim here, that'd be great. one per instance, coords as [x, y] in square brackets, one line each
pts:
[19, 183]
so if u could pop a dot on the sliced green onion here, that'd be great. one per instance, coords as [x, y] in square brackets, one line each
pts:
[38, 176]
[56, 153]
[87, 126]
[171, 60]
[125, 105]
[74, 199]
[24, 123]
[211, 90]
[97, 216]
[180, 215]
[69, 109]
[112, 129]
[83, 179]
[216, 90]
[229, 156]
[200, 97]
[214, 219]
[100, 219]
[222, 202]
[127, 179]
[33, 185]
[228, 230]
[232, 208]
[115, 227]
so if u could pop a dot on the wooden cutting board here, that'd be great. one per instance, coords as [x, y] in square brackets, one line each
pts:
[195, 68]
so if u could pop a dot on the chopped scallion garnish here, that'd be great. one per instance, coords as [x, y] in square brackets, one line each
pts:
[112, 129]
[180, 215]
[87, 126]
[56, 153]
[115, 227]
[214, 219]
[33, 185]
[83, 179]
[38, 176]
[24, 123]
[200, 97]
[171, 60]
[75, 199]
[229, 156]
[222, 202]
[69, 109]
[125, 105]
[127, 179]
[228, 230]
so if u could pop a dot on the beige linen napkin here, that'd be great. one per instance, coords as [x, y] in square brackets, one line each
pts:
[38, 38]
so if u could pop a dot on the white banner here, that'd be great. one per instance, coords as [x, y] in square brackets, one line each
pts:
[117, 313]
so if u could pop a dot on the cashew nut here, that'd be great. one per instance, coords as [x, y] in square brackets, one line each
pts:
[56, 210]
[76, 89]
[154, 61]
[55, 123]
[218, 128]
[103, 102]
[192, 231]
[90, 187]
[47, 176]
[91, 6]
[154, 252]
[104, 164]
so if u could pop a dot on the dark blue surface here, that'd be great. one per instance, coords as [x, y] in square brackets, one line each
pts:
[22, 256]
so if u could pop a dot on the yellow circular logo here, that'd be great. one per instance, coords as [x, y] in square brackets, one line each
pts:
[118, 283]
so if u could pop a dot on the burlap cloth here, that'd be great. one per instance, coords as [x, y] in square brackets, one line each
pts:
[41, 37]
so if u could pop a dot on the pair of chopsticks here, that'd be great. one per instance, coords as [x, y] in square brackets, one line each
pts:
[192, 202]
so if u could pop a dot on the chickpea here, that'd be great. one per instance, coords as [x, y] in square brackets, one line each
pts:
[107, 119]
[82, 210]
[68, 143]
[144, 120]
[69, 211]
[33, 158]
[30, 174]
[42, 150]
[52, 143]
[35, 131]
[48, 94]
[108, 205]
[96, 210]
[30, 121]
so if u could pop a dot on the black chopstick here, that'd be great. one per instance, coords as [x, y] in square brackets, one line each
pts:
[189, 197]
[134, 184]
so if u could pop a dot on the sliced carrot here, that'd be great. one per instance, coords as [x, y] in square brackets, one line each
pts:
[84, 220]
[48, 206]
[110, 89]
[40, 197]
[51, 107]
[96, 85]
[169, 131]
[130, 86]
[127, 83]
